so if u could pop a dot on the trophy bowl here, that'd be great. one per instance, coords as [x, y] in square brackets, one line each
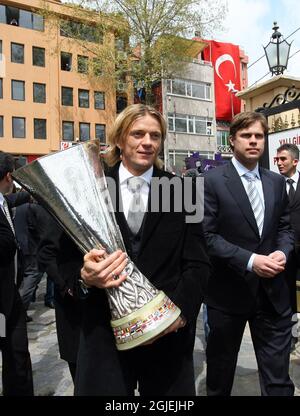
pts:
[72, 187]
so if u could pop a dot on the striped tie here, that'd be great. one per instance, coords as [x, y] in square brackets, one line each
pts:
[8, 217]
[255, 200]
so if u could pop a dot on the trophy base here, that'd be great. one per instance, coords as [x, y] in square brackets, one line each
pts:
[145, 323]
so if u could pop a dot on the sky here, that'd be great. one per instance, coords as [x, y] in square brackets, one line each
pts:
[249, 24]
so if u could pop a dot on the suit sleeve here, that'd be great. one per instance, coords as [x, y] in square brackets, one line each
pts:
[7, 245]
[236, 257]
[190, 290]
[285, 235]
[18, 198]
[48, 249]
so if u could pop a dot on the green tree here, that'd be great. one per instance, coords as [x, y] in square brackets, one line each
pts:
[151, 34]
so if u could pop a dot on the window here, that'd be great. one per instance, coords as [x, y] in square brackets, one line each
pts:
[1, 57]
[2, 14]
[25, 19]
[40, 128]
[68, 131]
[65, 61]
[39, 93]
[1, 126]
[222, 137]
[83, 98]
[12, 16]
[84, 132]
[82, 64]
[38, 56]
[183, 123]
[19, 17]
[17, 53]
[97, 67]
[18, 90]
[193, 89]
[37, 22]
[81, 31]
[99, 100]
[1, 88]
[66, 96]
[18, 127]
[100, 132]
[121, 103]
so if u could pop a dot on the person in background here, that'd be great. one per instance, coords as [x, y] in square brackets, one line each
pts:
[27, 234]
[59, 257]
[249, 239]
[16, 363]
[287, 160]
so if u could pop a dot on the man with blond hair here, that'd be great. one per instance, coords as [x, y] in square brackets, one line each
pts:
[167, 250]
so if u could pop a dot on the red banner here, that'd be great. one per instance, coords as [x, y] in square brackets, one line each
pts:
[225, 58]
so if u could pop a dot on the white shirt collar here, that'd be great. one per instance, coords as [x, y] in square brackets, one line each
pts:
[124, 174]
[241, 169]
[1, 199]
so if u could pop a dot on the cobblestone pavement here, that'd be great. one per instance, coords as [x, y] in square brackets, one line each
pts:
[51, 375]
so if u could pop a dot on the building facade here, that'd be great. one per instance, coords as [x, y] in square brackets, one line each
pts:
[189, 106]
[49, 99]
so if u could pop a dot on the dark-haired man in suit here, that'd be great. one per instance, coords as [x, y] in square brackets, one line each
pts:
[16, 367]
[249, 238]
[287, 159]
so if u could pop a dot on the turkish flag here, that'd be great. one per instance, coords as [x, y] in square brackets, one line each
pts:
[225, 58]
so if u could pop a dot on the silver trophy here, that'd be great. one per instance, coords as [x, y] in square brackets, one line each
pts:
[72, 186]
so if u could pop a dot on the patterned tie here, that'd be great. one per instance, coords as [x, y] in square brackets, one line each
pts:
[7, 214]
[136, 208]
[8, 217]
[292, 192]
[255, 200]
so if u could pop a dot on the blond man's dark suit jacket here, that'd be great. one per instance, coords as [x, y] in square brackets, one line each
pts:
[172, 256]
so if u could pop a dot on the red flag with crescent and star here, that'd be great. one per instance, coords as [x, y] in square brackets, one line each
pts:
[225, 58]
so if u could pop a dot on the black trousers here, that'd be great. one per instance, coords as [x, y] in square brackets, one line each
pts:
[16, 363]
[271, 337]
[164, 368]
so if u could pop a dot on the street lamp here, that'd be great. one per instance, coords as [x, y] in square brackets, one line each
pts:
[277, 52]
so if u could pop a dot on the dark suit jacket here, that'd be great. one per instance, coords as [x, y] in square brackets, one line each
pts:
[27, 228]
[232, 236]
[172, 255]
[294, 206]
[8, 247]
[60, 258]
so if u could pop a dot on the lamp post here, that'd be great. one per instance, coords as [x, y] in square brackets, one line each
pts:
[277, 52]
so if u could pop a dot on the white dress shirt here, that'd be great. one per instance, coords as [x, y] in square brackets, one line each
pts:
[126, 194]
[1, 201]
[241, 170]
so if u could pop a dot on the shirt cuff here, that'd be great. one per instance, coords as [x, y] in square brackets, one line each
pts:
[250, 262]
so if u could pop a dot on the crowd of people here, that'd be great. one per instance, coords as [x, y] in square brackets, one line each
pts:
[241, 260]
